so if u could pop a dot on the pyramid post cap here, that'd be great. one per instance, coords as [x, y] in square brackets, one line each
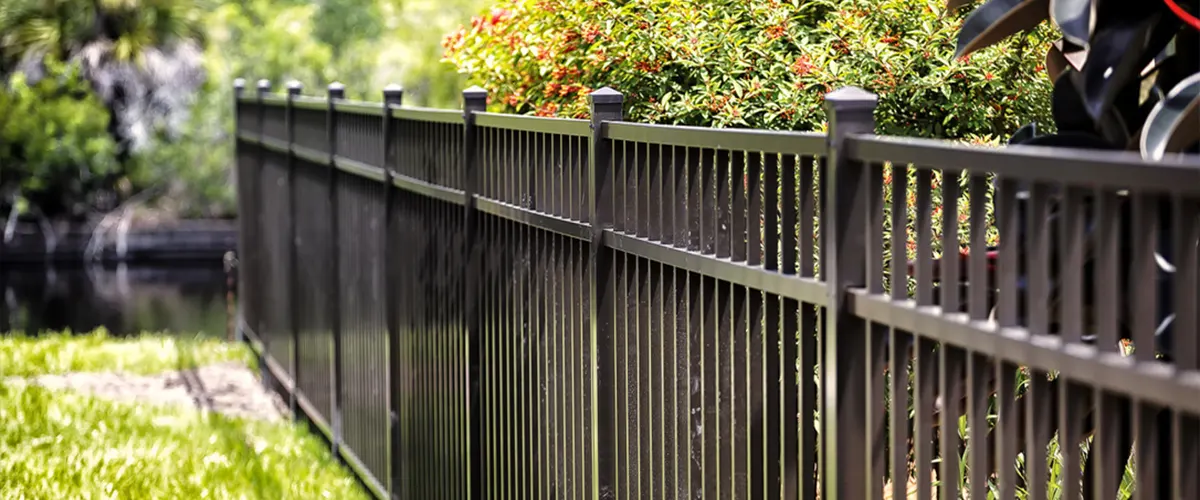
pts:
[475, 91]
[606, 95]
[851, 98]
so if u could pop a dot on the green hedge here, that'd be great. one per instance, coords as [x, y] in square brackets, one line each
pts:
[762, 64]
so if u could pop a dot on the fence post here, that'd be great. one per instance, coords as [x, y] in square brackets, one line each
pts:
[850, 111]
[606, 106]
[336, 92]
[264, 87]
[474, 101]
[293, 91]
[393, 95]
[239, 90]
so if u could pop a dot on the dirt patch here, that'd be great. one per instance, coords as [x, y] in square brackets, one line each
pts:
[227, 388]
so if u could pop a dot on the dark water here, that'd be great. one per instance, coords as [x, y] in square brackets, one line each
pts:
[187, 299]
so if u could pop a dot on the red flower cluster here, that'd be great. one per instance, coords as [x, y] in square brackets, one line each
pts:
[648, 66]
[718, 103]
[591, 34]
[548, 109]
[776, 32]
[453, 39]
[803, 66]
[556, 89]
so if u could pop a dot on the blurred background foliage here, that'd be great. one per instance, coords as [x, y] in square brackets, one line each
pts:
[101, 100]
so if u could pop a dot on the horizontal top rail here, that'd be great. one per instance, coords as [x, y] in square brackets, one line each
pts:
[313, 103]
[1112, 169]
[428, 115]
[564, 126]
[359, 107]
[797, 143]
[272, 99]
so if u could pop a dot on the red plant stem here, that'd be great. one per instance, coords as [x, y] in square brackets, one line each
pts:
[1187, 18]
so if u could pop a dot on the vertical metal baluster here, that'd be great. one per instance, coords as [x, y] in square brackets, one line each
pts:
[679, 211]
[1186, 427]
[1072, 403]
[708, 202]
[924, 361]
[877, 358]
[724, 216]
[979, 368]
[644, 360]
[1007, 436]
[899, 356]
[950, 358]
[710, 337]
[1109, 449]
[1143, 274]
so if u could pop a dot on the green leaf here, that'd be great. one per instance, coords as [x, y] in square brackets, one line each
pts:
[1073, 18]
[1172, 124]
[997, 20]
[1118, 52]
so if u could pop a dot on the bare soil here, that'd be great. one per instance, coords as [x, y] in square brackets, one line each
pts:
[230, 389]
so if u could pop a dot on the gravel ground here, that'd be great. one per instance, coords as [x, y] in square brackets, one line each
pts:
[229, 388]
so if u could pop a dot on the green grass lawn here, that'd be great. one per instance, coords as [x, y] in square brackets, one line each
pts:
[24, 356]
[66, 445]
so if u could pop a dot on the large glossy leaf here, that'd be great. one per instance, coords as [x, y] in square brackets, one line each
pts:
[1119, 49]
[997, 20]
[954, 5]
[1073, 18]
[1174, 124]
[1062, 55]
[1024, 134]
[1066, 105]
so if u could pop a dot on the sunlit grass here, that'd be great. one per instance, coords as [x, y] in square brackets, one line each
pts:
[59, 444]
[54, 353]
[64, 444]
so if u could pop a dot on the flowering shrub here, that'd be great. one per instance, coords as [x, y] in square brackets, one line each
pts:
[761, 64]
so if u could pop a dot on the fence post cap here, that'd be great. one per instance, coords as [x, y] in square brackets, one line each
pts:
[264, 85]
[393, 94]
[336, 90]
[606, 95]
[294, 87]
[850, 99]
[475, 92]
[239, 83]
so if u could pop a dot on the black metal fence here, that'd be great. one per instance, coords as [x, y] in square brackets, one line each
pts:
[473, 305]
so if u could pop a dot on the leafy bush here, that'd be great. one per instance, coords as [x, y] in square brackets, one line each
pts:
[55, 149]
[754, 64]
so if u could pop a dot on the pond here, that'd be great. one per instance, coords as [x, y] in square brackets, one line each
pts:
[185, 298]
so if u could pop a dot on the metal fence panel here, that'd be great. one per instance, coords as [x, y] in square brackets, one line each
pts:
[314, 346]
[539, 308]
[361, 214]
